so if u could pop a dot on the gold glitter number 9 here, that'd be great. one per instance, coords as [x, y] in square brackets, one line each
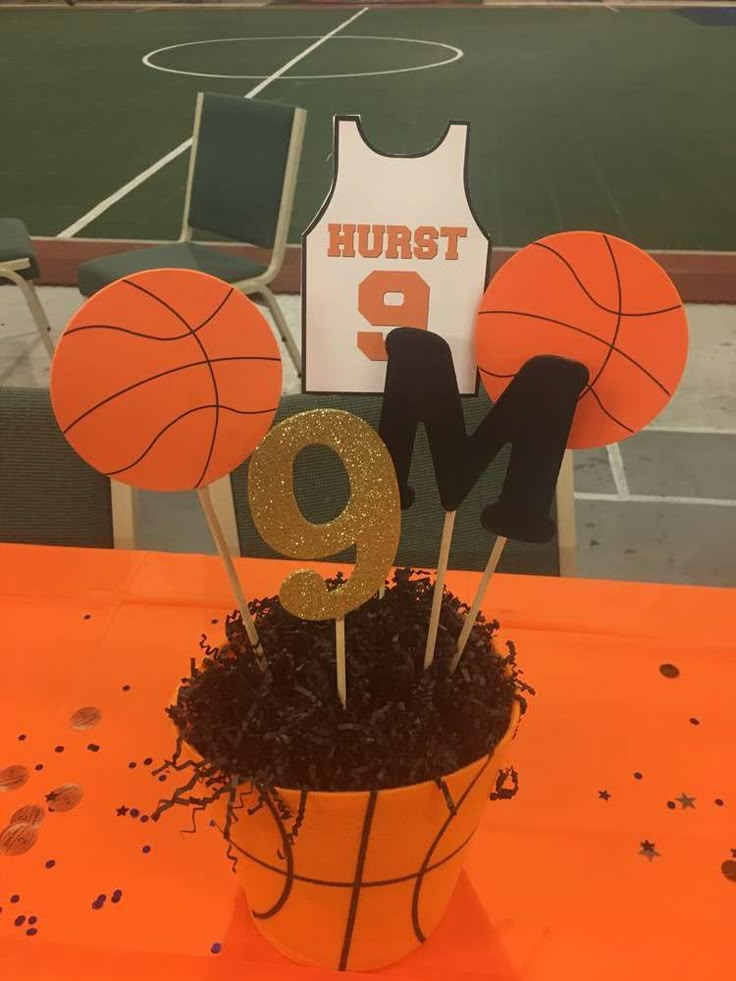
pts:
[371, 519]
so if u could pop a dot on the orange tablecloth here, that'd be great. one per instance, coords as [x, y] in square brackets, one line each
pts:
[557, 884]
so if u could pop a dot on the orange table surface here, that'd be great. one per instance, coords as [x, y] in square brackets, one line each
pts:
[557, 884]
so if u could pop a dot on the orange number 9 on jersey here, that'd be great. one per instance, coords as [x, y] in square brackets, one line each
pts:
[413, 311]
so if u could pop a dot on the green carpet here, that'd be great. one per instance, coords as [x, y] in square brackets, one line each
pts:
[581, 118]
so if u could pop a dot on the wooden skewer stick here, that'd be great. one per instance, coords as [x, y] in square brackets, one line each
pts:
[342, 688]
[224, 552]
[472, 614]
[439, 585]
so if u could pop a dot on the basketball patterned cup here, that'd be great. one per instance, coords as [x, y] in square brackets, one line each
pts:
[356, 881]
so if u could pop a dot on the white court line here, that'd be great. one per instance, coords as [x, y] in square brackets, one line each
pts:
[141, 178]
[616, 463]
[692, 430]
[718, 502]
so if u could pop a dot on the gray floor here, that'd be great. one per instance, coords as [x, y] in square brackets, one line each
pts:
[659, 507]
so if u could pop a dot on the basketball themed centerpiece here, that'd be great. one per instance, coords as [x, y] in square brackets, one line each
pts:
[345, 735]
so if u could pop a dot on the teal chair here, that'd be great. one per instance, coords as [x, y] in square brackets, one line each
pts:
[18, 264]
[48, 494]
[322, 489]
[242, 178]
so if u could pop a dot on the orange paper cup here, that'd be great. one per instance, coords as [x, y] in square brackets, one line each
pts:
[357, 880]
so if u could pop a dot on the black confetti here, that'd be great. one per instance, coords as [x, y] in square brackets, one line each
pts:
[694, 721]
[638, 776]
[669, 670]
[99, 902]
[604, 795]
[116, 896]
[50, 864]
[671, 804]
[719, 802]
[403, 724]
[216, 948]
[93, 748]
[58, 749]
[38, 766]
[146, 849]
[19, 921]
[22, 737]
[126, 687]
[31, 932]
[134, 812]
[87, 616]
[15, 898]
[729, 869]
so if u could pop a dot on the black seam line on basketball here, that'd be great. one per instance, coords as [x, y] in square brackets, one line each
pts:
[346, 883]
[162, 374]
[203, 349]
[289, 880]
[151, 337]
[197, 408]
[612, 344]
[578, 330]
[592, 391]
[496, 374]
[602, 306]
[359, 867]
[428, 857]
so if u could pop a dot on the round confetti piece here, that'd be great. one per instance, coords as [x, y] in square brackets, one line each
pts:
[38, 766]
[31, 932]
[19, 920]
[64, 798]
[13, 777]
[126, 687]
[22, 737]
[669, 670]
[718, 802]
[638, 776]
[116, 896]
[15, 898]
[58, 749]
[18, 839]
[85, 718]
[32, 920]
[49, 864]
[729, 869]
[216, 948]
[671, 804]
[146, 849]
[134, 812]
[30, 814]
[132, 765]
[148, 760]
[87, 616]
[694, 721]
[93, 748]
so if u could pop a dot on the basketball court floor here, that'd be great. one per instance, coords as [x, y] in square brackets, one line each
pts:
[583, 116]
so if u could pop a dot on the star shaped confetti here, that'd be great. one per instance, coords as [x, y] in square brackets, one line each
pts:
[684, 801]
[604, 795]
[649, 850]
[121, 811]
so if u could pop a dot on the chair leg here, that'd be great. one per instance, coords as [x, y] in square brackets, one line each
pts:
[283, 328]
[37, 312]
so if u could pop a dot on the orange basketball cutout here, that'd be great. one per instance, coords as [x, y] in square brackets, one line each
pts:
[596, 299]
[166, 380]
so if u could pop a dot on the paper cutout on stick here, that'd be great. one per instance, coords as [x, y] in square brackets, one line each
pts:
[601, 301]
[534, 415]
[371, 520]
[166, 379]
[396, 244]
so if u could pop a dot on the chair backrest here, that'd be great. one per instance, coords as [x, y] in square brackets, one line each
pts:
[245, 154]
[48, 495]
[321, 488]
